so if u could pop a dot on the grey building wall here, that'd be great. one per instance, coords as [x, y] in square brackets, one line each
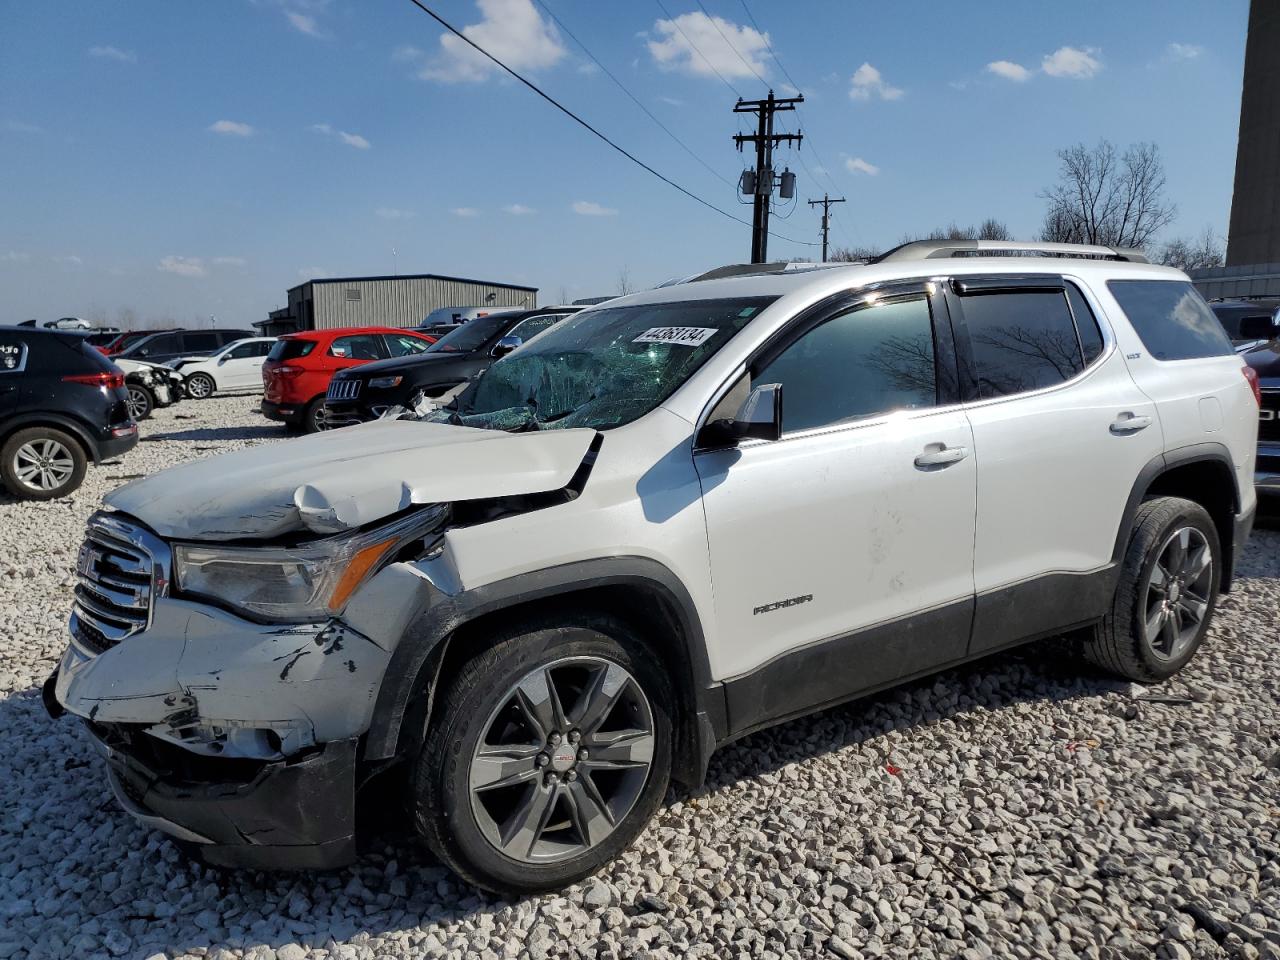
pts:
[399, 301]
[1246, 280]
[1254, 235]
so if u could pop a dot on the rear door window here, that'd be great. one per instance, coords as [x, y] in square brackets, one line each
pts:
[1171, 318]
[360, 346]
[1020, 340]
[201, 342]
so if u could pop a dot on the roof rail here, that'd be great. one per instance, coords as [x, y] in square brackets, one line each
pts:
[944, 249]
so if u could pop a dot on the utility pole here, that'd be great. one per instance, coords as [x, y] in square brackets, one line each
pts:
[761, 181]
[826, 202]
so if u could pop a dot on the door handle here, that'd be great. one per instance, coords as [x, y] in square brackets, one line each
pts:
[1128, 423]
[940, 455]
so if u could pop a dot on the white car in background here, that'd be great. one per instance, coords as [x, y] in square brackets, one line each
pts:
[237, 366]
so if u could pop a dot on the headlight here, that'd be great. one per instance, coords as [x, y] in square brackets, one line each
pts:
[383, 383]
[312, 581]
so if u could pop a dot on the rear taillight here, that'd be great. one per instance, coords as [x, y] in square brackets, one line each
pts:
[286, 371]
[108, 380]
[1251, 375]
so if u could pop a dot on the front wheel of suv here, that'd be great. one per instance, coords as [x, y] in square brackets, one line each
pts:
[42, 463]
[1166, 594]
[548, 754]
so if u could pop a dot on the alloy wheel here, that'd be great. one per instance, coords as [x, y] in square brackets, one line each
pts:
[562, 760]
[1178, 592]
[139, 403]
[199, 387]
[44, 464]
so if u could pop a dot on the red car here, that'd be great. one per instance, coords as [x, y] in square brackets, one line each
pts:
[296, 372]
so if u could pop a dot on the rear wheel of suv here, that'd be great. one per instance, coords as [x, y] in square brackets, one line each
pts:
[1166, 595]
[548, 754]
[141, 402]
[313, 420]
[42, 463]
[200, 386]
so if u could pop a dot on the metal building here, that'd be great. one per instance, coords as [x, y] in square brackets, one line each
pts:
[403, 301]
[1253, 240]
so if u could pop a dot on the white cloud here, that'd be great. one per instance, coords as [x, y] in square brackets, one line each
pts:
[350, 139]
[406, 53]
[394, 213]
[867, 84]
[1183, 51]
[183, 266]
[17, 126]
[704, 46]
[1009, 70]
[312, 273]
[511, 30]
[858, 165]
[588, 69]
[518, 210]
[303, 23]
[231, 128]
[1072, 63]
[15, 256]
[675, 102]
[465, 212]
[70, 260]
[230, 261]
[114, 53]
[588, 208]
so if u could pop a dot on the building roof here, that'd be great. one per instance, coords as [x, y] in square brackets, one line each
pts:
[417, 276]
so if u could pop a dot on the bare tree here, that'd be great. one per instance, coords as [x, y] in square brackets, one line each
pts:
[853, 254]
[624, 281]
[564, 295]
[1101, 197]
[1195, 254]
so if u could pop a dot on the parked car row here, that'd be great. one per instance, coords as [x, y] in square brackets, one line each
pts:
[1254, 328]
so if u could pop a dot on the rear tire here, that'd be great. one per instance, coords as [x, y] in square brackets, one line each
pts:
[1166, 595]
[513, 803]
[42, 463]
[313, 421]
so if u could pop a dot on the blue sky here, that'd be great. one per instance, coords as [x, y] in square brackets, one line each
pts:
[187, 159]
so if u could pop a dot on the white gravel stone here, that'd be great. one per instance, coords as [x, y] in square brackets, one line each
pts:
[1037, 810]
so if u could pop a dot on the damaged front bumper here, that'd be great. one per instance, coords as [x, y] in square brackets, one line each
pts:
[237, 738]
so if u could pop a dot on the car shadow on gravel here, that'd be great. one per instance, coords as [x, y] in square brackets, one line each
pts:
[266, 431]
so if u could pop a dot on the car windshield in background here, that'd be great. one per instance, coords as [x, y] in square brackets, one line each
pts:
[290, 349]
[602, 368]
[470, 336]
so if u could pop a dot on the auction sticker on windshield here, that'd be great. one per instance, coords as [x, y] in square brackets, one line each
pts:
[684, 336]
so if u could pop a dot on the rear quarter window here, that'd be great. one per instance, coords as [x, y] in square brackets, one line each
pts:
[1171, 318]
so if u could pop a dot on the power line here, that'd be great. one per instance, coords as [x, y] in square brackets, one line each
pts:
[746, 63]
[583, 123]
[764, 36]
[634, 99]
[676, 23]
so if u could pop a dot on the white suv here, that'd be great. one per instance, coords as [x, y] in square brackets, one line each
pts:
[666, 522]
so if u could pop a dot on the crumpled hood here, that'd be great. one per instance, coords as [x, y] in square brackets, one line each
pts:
[340, 479]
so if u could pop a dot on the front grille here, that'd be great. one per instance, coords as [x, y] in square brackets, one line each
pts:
[1269, 416]
[114, 583]
[343, 389]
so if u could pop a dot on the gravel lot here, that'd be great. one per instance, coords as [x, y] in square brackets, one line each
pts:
[1021, 807]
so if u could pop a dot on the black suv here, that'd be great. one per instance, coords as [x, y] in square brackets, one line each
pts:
[363, 393]
[159, 347]
[62, 403]
[1254, 328]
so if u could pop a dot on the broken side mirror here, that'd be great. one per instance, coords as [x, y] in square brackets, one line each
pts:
[759, 418]
[1258, 328]
[504, 346]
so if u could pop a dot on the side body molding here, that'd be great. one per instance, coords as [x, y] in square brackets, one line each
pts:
[408, 674]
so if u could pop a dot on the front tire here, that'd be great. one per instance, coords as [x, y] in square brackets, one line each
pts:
[1166, 595]
[200, 386]
[141, 402]
[549, 753]
[42, 463]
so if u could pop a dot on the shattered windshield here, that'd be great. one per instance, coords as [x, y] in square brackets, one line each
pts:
[601, 368]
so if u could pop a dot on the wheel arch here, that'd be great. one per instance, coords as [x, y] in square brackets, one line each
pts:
[641, 591]
[1202, 473]
[57, 421]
